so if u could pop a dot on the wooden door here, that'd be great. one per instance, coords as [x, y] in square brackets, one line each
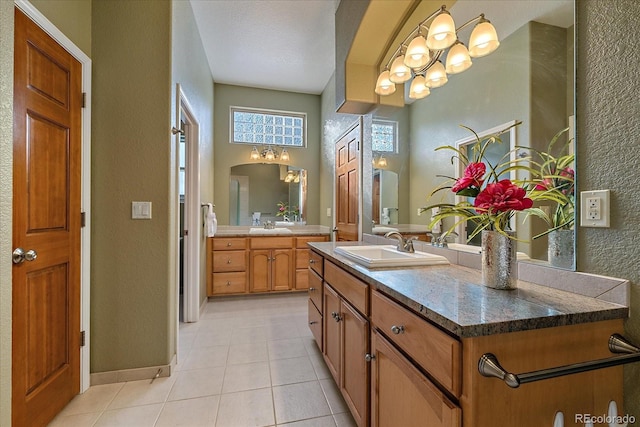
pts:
[402, 396]
[354, 375]
[331, 331]
[347, 177]
[46, 219]
[260, 270]
[281, 269]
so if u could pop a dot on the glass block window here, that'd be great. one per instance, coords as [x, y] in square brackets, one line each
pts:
[384, 136]
[250, 126]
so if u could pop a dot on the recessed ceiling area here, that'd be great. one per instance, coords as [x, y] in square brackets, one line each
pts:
[271, 44]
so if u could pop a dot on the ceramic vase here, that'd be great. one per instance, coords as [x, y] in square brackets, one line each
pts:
[499, 260]
[561, 248]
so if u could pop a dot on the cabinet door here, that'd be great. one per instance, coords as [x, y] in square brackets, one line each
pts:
[331, 331]
[281, 269]
[402, 396]
[354, 376]
[260, 270]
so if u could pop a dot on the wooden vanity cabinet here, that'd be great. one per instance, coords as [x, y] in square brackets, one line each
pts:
[226, 266]
[401, 395]
[346, 338]
[271, 264]
[302, 260]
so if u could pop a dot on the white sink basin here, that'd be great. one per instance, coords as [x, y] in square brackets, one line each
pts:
[262, 230]
[388, 256]
[285, 223]
[381, 229]
[478, 250]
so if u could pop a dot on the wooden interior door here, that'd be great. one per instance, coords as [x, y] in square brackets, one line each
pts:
[347, 193]
[46, 220]
[375, 199]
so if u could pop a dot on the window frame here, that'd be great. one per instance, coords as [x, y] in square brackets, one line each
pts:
[395, 143]
[267, 111]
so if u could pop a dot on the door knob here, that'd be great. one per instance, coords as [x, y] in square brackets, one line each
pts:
[19, 255]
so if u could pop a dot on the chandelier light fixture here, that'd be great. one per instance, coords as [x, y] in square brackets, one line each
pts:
[269, 154]
[420, 59]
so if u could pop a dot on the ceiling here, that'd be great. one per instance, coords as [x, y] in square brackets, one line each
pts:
[290, 44]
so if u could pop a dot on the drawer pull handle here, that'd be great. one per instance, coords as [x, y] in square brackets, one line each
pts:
[312, 289]
[228, 283]
[369, 357]
[313, 322]
[397, 329]
[228, 243]
[229, 261]
[336, 316]
[312, 261]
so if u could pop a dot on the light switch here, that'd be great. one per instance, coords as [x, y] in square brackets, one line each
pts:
[140, 210]
[328, 211]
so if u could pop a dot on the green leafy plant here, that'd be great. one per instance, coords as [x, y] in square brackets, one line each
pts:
[283, 209]
[554, 179]
[494, 200]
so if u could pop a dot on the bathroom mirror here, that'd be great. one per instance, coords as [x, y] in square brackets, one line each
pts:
[385, 197]
[261, 188]
[529, 78]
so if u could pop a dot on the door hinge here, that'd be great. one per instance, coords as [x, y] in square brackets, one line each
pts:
[82, 338]
[83, 219]
[84, 99]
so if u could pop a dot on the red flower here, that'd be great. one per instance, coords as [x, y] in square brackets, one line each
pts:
[502, 196]
[473, 177]
[544, 185]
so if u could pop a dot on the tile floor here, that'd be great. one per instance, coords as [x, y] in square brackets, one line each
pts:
[249, 361]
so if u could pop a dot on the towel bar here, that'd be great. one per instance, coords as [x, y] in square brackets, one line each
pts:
[489, 366]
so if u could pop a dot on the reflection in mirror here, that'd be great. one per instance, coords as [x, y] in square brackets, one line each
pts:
[385, 197]
[258, 191]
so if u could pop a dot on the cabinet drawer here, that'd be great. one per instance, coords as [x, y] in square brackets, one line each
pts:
[436, 352]
[301, 242]
[315, 323]
[229, 283]
[271, 242]
[315, 289]
[229, 244]
[229, 261]
[302, 258]
[316, 263]
[352, 289]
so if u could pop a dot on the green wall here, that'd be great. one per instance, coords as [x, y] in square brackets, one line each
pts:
[132, 261]
[608, 129]
[227, 155]
[72, 17]
[190, 69]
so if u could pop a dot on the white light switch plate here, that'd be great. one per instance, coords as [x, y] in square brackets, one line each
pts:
[140, 210]
[595, 208]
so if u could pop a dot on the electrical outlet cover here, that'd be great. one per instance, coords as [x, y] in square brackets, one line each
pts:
[595, 208]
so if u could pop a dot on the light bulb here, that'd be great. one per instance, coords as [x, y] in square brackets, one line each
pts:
[382, 162]
[254, 154]
[399, 73]
[483, 40]
[436, 76]
[285, 155]
[458, 59]
[270, 156]
[418, 89]
[384, 86]
[442, 32]
[417, 54]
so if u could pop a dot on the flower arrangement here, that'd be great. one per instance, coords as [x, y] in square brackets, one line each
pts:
[494, 200]
[283, 209]
[554, 181]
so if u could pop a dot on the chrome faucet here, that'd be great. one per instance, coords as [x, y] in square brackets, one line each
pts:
[269, 225]
[404, 245]
[441, 241]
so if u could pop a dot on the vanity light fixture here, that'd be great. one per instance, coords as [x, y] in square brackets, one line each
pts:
[270, 154]
[380, 163]
[419, 58]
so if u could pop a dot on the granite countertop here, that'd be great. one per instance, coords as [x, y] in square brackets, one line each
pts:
[295, 230]
[453, 297]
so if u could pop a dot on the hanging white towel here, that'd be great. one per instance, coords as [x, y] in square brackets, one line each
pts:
[211, 221]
